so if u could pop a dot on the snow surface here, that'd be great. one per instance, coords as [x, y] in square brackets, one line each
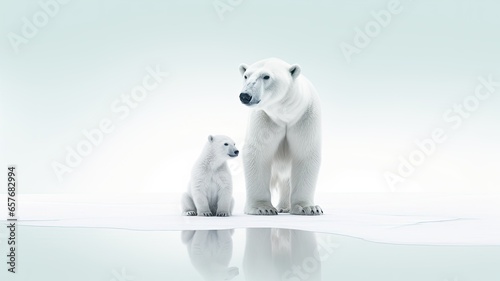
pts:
[399, 218]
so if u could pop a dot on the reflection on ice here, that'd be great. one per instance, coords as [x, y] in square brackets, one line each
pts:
[270, 254]
[281, 254]
[54, 253]
[210, 252]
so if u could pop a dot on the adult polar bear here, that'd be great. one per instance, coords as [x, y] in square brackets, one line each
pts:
[283, 140]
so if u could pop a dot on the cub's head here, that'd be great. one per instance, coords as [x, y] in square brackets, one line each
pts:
[223, 146]
[267, 81]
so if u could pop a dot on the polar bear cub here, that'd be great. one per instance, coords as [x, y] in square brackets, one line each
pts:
[283, 140]
[210, 190]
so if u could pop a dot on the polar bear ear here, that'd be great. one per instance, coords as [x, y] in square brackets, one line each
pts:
[243, 68]
[294, 70]
[210, 138]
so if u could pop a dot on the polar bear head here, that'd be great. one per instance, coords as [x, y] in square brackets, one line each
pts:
[223, 146]
[267, 82]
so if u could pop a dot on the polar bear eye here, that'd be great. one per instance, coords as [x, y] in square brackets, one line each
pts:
[226, 144]
[266, 77]
[245, 77]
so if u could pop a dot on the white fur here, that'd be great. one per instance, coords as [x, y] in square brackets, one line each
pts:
[283, 140]
[210, 190]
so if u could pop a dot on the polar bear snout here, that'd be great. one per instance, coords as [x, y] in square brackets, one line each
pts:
[234, 154]
[245, 98]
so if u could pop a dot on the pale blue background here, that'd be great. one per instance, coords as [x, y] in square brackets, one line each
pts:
[65, 78]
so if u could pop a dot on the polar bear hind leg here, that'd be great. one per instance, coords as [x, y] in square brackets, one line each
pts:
[188, 207]
[280, 176]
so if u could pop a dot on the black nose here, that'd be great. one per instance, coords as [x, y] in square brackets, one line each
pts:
[236, 152]
[245, 98]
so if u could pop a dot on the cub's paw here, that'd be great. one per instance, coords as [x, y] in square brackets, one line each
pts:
[313, 210]
[190, 213]
[205, 214]
[222, 214]
[261, 209]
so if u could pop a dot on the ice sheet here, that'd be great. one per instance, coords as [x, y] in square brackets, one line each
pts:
[404, 218]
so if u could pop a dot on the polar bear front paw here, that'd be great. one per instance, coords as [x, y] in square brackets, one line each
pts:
[190, 213]
[222, 214]
[306, 210]
[283, 210]
[205, 214]
[261, 209]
